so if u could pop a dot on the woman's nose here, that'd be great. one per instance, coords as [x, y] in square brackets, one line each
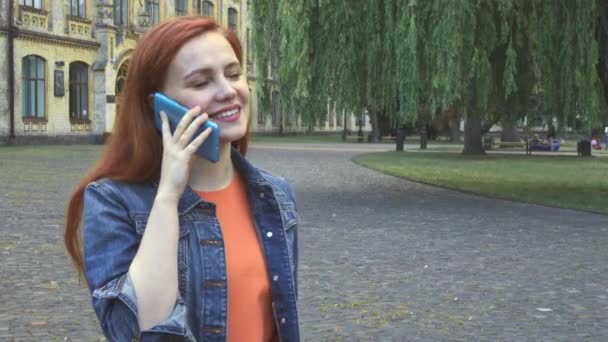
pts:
[225, 90]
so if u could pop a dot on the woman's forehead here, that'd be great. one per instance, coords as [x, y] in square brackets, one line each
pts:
[206, 50]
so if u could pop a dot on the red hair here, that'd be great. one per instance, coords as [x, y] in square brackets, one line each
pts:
[134, 150]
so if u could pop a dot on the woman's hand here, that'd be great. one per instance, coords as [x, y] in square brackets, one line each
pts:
[177, 152]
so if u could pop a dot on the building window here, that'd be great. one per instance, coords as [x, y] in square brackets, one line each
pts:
[33, 87]
[205, 8]
[79, 91]
[120, 13]
[78, 8]
[31, 3]
[232, 22]
[181, 7]
[153, 9]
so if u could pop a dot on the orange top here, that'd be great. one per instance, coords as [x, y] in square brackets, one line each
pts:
[250, 316]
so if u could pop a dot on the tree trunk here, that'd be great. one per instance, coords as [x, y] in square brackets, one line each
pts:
[472, 136]
[424, 134]
[509, 131]
[454, 124]
[373, 118]
[423, 123]
[400, 139]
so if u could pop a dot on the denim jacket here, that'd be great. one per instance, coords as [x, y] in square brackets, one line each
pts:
[115, 217]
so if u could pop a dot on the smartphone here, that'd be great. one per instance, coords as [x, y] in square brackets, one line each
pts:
[210, 149]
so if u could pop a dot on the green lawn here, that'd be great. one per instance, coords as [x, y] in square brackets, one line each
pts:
[562, 181]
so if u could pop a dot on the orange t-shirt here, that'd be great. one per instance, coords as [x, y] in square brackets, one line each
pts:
[250, 316]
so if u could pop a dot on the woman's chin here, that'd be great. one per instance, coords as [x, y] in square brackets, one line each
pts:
[232, 135]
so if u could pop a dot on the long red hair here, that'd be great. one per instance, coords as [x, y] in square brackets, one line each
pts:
[134, 150]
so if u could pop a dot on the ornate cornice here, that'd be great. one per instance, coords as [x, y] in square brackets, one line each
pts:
[55, 40]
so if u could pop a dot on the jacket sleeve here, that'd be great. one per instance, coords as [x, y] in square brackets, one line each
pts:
[110, 243]
[290, 192]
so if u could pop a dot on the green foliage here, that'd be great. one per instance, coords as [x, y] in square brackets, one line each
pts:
[502, 56]
[567, 55]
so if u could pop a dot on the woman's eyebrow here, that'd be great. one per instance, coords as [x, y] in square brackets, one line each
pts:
[203, 70]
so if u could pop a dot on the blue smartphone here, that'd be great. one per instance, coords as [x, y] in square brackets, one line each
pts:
[210, 149]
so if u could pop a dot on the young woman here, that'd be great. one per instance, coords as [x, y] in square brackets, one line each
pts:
[175, 247]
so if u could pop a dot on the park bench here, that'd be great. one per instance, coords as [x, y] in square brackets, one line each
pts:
[490, 144]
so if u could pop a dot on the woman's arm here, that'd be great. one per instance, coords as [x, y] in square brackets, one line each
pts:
[154, 268]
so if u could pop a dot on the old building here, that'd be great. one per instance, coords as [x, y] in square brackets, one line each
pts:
[65, 64]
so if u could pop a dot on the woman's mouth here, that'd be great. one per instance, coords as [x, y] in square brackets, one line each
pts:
[229, 115]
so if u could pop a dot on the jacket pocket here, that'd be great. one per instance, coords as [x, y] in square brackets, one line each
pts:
[290, 217]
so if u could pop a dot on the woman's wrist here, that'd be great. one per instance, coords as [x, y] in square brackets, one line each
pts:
[167, 197]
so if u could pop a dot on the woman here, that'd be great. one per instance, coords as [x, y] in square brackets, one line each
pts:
[176, 247]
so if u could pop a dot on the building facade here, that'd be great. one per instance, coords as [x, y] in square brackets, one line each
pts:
[66, 64]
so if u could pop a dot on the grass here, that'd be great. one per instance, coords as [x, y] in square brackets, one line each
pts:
[561, 181]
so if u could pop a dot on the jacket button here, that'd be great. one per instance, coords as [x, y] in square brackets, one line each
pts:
[261, 195]
[275, 278]
[283, 320]
[269, 234]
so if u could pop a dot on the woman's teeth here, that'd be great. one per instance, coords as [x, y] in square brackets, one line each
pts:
[226, 114]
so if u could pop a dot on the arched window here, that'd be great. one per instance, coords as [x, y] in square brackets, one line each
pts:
[79, 91]
[33, 90]
[205, 8]
[232, 19]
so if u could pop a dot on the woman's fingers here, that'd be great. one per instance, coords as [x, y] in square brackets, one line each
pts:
[166, 132]
[185, 122]
[186, 137]
[196, 143]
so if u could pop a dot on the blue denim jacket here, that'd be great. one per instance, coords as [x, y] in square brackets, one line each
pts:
[115, 217]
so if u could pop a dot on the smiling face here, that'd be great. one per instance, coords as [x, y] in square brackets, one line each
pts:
[207, 73]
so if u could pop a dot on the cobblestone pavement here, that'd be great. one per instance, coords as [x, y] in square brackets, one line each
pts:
[382, 259]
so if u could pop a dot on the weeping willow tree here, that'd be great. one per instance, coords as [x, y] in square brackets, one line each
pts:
[567, 35]
[408, 60]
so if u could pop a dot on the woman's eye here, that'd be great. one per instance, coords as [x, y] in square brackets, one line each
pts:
[200, 84]
[235, 75]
